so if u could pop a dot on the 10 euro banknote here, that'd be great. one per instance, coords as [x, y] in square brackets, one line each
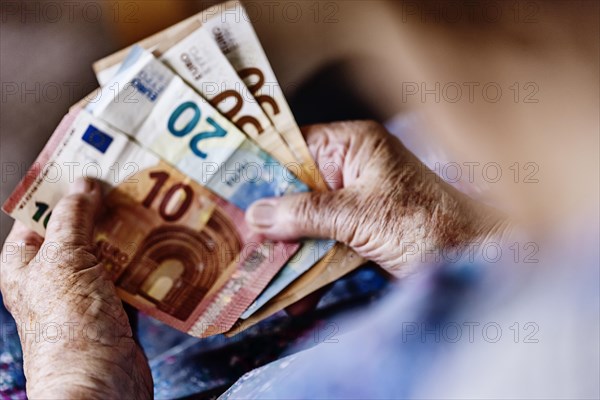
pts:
[173, 248]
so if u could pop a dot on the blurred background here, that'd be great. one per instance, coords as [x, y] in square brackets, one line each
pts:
[339, 60]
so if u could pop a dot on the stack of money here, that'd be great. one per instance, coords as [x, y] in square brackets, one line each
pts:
[188, 128]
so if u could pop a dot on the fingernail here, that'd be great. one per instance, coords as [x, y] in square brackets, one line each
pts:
[82, 185]
[261, 214]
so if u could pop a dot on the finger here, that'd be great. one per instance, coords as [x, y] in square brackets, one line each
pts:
[72, 221]
[341, 149]
[314, 215]
[20, 247]
[328, 144]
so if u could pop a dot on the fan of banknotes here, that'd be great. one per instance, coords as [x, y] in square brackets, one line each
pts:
[187, 130]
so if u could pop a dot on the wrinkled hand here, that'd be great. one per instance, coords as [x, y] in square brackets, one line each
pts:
[76, 337]
[384, 203]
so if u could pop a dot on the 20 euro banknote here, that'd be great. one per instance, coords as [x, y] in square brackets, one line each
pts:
[152, 104]
[230, 27]
[194, 56]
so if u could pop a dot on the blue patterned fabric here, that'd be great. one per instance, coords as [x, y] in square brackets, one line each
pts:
[183, 365]
[12, 379]
[374, 359]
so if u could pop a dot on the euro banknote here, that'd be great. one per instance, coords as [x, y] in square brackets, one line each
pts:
[222, 166]
[174, 249]
[151, 103]
[107, 67]
[231, 29]
[337, 263]
[199, 61]
[271, 100]
[300, 263]
[196, 58]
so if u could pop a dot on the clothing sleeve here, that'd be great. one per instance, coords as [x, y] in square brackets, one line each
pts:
[377, 353]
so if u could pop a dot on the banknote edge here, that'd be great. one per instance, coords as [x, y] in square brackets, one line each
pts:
[35, 170]
[348, 262]
[223, 322]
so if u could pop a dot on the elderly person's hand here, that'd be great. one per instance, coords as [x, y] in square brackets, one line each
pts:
[384, 203]
[76, 337]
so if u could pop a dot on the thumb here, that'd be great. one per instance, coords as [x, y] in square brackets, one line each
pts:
[72, 221]
[314, 214]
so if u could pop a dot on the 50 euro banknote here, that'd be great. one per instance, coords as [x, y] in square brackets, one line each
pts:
[230, 26]
[174, 249]
[238, 80]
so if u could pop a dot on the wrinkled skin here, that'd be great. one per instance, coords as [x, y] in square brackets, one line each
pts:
[384, 203]
[55, 286]
[382, 197]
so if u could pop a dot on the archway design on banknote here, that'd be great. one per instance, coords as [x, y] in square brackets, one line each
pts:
[175, 266]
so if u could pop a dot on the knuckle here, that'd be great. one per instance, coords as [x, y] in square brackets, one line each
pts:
[70, 214]
[331, 214]
[77, 257]
[303, 209]
[311, 212]
[75, 203]
[370, 125]
[350, 213]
